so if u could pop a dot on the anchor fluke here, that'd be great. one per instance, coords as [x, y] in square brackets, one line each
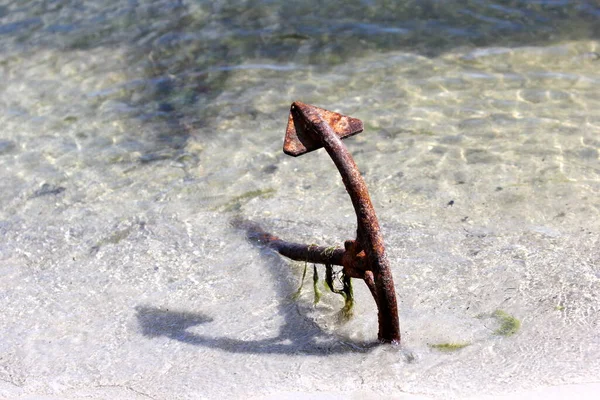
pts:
[300, 135]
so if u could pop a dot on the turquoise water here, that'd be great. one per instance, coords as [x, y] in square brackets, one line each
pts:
[133, 133]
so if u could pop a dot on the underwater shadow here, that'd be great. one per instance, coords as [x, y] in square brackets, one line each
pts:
[298, 335]
[156, 322]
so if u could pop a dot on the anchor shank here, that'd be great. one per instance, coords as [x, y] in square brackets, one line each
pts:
[368, 232]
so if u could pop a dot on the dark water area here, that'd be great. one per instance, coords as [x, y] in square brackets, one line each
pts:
[211, 38]
[184, 51]
[314, 31]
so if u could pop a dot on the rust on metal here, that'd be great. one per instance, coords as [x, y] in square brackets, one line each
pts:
[310, 128]
[299, 136]
[294, 251]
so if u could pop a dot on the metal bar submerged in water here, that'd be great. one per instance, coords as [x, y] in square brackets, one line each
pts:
[310, 128]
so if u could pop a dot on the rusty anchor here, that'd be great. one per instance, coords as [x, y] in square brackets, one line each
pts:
[310, 128]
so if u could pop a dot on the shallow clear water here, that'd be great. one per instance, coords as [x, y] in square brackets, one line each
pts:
[133, 134]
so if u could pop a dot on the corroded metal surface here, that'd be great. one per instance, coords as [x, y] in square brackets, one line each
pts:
[294, 251]
[300, 137]
[310, 128]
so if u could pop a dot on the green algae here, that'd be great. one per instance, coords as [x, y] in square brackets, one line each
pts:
[296, 295]
[328, 252]
[347, 293]
[423, 132]
[509, 325]
[237, 202]
[449, 347]
[346, 290]
[315, 285]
